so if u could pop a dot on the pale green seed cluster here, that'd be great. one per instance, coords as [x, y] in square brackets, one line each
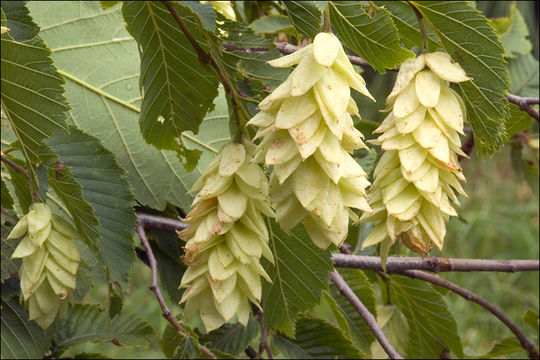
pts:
[50, 262]
[226, 238]
[417, 175]
[308, 137]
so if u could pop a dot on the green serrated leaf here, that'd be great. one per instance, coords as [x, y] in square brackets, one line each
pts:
[105, 188]
[298, 277]
[178, 90]
[516, 122]
[372, 36]
[102, 74]
[271, 24]
[504, 346]
[7, 200]
[32, 92]
[231, 339]
[88, 323]
[9, 266]
[173, 342]
[306, 16]
[20, 24]
[432, 327]
[466, 35]
[316, 339]
[360, 333]
[407, 24]
[21, 338]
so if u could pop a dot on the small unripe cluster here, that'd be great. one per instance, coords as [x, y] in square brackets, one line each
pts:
[417, 175]
[226, 238]
[308, 137]
[50, 262]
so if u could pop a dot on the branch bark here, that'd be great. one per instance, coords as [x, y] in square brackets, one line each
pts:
[368, 317]
[525, 104]
[157, 291]
[528, 345]
[434, 264]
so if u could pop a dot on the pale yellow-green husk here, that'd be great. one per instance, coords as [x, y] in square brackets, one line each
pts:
[418, 173]
[226, 238]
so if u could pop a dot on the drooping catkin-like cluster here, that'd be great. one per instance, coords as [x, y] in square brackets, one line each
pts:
[419, 171]
[50, 262]
[226, 238]
[308, 138]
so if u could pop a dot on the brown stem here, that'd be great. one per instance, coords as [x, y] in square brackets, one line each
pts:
[525, 104]
[433, 264]
[422, 28]
[157, 291]
[528, 345]
[264, 346]
[368, 317]
[15, 166]
[327, 26]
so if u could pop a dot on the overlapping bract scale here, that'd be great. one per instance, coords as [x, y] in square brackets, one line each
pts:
[308, 137]
[226, 238]
[50, 262]
[417, 176]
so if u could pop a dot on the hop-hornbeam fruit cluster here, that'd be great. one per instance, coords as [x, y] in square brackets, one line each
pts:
[50, 262]
[226, 237]
[308, 136]
[418, 173]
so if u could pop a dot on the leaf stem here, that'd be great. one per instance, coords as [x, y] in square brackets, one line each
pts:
[327, 26]
[422, 28]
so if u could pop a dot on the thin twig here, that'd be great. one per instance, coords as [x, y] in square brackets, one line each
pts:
[528, 345]
[525, 104]
[264, 337]
[156, 290]
[368, 317]
[434, 264]
[15, 166]
[327, 25]
[160, 222]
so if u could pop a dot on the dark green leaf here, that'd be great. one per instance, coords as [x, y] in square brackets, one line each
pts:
[407, 24]
[270, 24]
[178, 90]
[178, 345]
[21, 338]
[102, 74]
[91, 355]
[361, 286]
[466, 35]
[524, 75]
[7, 200]
[517, 121]
[306, 17]
[372, 36]
[85, 323]
[432, 327]
[231, 339]
[105, 188]
[32, 92]
[298, 277]
[9, 266]
[316, 339]
[20, 24]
